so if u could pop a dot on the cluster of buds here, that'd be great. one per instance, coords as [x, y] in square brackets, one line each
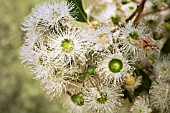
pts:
[96, 69]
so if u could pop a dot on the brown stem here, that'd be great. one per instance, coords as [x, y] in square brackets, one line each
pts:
[135, 1]
[90, 25]
[132, 15]
[139, 9]
[156, 10]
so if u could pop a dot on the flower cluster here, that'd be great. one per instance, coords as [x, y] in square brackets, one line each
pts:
[95, 69]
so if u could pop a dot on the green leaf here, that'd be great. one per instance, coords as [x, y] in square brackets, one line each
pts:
[166, 25]
[80, 15]
[165, 49]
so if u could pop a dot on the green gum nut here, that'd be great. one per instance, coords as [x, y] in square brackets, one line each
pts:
[78, 99]
[91, 70]
[115, 65]
[166, 25]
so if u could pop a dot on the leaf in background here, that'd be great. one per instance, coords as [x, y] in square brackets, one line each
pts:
[165, 49]
[81, 15]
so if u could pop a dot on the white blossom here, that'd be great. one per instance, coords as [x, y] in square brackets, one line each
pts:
[105, 100]
[47, 15]
[114, 67]
[70, 46]
[160, 95]
[141, 105]
[136, 40]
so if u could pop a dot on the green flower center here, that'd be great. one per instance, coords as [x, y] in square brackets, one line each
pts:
[91, 70]
[103, 98]
[67, 45]
[42, 60]
[115, 65]
[151, 21]
[78, 99]
[134, 35]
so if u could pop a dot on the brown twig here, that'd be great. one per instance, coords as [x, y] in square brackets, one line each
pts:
[132, 15]
[139, 9]
[156, 10]
[135, 1]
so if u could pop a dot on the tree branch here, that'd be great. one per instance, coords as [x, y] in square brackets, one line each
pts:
[139, 9]
[156, 10]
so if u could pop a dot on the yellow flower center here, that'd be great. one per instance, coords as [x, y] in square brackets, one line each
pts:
[130, 80]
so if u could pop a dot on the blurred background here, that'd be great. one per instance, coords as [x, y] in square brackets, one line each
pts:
[19, 93]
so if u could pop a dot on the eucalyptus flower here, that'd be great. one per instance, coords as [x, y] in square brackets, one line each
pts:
[101, 38]
[114, 67]
[152, 20]
[74, 103]
[48, 15]
[160, 95]
[141, 105]
[132, 82]
[39, 59]
[136, 40]
[69, 46]
[104, 99]
[160, 3]
[162, 67]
